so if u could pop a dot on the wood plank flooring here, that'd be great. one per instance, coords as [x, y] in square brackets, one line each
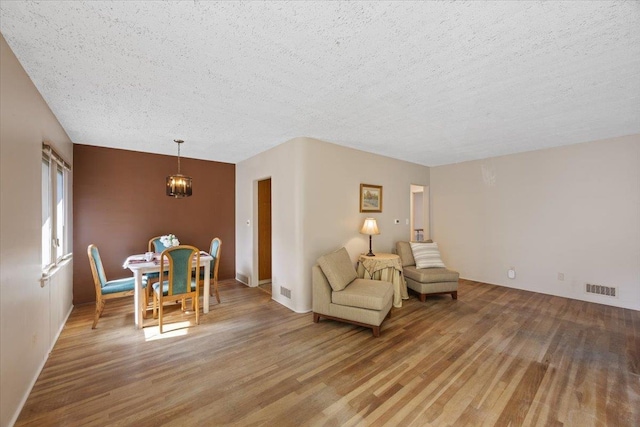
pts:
[496, 356]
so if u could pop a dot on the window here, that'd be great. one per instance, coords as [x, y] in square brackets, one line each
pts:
[46, 213]
[55, 170]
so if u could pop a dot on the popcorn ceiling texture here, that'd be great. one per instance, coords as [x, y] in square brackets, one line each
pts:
[428, 82]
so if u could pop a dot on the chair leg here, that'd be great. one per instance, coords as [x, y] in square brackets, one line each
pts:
[454, 294]
[155, 306]
[196, 301]
[146, 303]
[215, 288]
[316, 317]
[160, 316]
[423, 297]
[99, 308]
[376, 331]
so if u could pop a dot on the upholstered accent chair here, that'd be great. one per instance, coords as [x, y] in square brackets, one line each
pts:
[426, 281]
[107, 289]
[338, 293]
[181, 283]
[214, 250]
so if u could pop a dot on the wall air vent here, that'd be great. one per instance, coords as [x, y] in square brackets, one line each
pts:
[242, 278]
[285, 292]
[607, 291]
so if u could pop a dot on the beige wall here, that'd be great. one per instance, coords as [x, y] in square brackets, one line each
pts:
[282, 165]
[29, 323]
[315, 208]
[573, 210]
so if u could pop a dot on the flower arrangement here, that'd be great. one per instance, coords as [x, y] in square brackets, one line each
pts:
[169, 240]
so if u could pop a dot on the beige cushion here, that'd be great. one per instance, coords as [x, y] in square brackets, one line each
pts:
[406, 254]
[364, 293]
[430, 275]
[427, 255]
[338, 268]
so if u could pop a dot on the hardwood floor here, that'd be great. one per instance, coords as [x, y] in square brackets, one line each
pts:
[496, 356]
[266, 287]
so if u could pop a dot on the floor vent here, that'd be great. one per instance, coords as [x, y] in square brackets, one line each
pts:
[242, 278]
[285, 291]
[601, 290]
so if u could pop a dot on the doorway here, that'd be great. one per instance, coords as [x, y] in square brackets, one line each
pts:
[419, 207]
[264, 234]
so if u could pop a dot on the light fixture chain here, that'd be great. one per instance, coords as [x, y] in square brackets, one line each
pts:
[178, 158]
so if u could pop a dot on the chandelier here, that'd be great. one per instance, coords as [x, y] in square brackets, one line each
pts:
[179, 185]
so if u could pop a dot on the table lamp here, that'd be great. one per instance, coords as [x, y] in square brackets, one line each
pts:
[370, 227]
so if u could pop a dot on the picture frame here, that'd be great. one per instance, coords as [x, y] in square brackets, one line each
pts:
[370, 198]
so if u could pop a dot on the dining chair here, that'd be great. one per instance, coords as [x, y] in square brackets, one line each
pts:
[181, 281]
[214, 251]
[108, 289]
[154, 245]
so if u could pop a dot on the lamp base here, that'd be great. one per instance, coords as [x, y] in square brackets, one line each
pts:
[370, 251]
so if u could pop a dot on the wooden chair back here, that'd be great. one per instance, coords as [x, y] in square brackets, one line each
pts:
[181, 280]
[155, 245]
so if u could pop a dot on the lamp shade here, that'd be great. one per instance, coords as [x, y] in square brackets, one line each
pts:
[370, 227]
[179, 186]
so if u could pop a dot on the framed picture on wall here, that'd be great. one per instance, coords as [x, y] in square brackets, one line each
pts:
[370, 198]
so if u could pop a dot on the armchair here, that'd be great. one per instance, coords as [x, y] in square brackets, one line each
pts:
[426, 281]
[338, 293]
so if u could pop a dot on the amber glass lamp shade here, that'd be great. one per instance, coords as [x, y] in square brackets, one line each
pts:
[179, 186]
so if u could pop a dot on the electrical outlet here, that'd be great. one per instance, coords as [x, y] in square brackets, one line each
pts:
[511, 273]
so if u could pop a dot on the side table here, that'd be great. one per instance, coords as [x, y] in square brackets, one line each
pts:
[386, 267]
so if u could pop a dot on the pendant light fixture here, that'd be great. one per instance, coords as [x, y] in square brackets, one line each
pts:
[178, 185]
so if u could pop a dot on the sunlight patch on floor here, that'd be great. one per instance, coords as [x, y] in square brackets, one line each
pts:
[171, 330]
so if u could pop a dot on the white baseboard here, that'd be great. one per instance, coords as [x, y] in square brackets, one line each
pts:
[13, 419]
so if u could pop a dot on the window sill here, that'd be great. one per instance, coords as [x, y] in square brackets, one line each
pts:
[51, 270]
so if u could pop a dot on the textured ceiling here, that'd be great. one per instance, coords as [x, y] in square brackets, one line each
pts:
[428, 82]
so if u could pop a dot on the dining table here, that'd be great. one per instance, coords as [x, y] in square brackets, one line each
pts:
[139, 265]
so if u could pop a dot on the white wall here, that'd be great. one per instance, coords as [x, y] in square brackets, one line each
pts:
[29, 324]
[573, 210]
[315, 208]
[418, 215]
[282, 165]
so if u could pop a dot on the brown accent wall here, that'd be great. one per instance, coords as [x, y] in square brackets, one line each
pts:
[119, 203]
